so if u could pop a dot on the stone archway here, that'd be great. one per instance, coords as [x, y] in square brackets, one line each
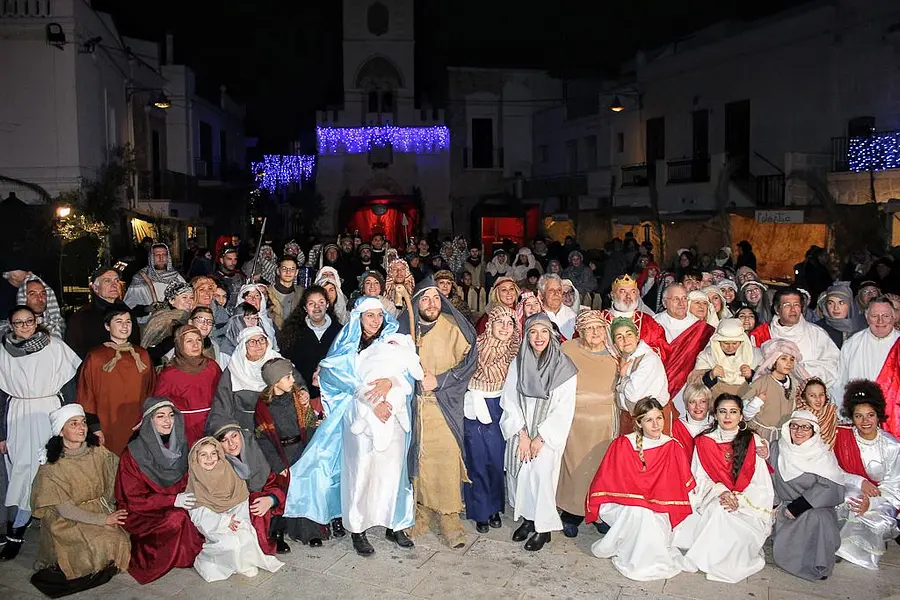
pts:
[378, 72]
[381, 185]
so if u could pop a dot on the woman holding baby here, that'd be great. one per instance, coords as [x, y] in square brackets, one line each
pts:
[364, 439]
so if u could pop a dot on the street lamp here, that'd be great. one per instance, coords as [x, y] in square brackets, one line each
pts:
[63, 211]
[616, 105]
[161, 101]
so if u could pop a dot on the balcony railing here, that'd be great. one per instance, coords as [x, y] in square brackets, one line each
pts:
[478, 158]
[635, 175]
[165, 185]
[207, 169]
[875, 152]
[25, 8]
[770, 190]
[688, 170]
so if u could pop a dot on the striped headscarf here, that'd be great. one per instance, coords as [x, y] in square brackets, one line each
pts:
[52, 318]
[494, 356]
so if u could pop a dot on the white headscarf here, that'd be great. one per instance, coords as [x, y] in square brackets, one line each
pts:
[812, 456]
[247, 375]
[330, 275]
[731, 330]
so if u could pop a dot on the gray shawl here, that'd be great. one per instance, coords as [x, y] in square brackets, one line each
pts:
[163, 464]
[251, 464]
[452, 384]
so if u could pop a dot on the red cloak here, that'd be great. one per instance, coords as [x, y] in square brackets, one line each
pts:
[761, 335]
[889, 380]
[715, 457]
[192, 394]
[649, 331]
[683, 353]
[162, 536]
[681, 433]
[847, 452]
[275, 486]
[662, 487]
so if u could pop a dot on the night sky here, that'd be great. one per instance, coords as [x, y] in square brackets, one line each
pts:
[283, 57]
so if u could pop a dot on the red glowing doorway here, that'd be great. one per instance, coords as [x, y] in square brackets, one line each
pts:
[384, 215]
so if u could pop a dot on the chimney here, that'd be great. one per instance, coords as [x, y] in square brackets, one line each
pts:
[170, 49]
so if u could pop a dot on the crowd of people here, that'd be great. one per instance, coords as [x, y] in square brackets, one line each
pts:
[206, 417]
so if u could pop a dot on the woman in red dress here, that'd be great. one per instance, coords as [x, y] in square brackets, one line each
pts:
[190, 381]
[150, 487]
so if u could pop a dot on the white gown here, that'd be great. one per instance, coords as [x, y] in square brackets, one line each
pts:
[863, 536]
[639, 540]
[227, 552]
[33, 383]
[727, 546]
[532, 493]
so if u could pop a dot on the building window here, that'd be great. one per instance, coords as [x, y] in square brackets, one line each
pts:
[373, 102]
[387, 102]
[378, 19]
[590, 152]
[482, 143]
[572, 156]
[544, 153]
[620, 142]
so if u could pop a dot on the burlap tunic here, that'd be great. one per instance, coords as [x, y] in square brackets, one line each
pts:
[592, 427]
[441, 467]
[85, 480]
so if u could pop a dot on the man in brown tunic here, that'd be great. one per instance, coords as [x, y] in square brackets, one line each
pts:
[446, 343]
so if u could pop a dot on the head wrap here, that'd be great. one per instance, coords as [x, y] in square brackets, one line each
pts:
[166, 276]
[163, 464]
[176, 288]
[812, 456]
[772, 351]
[494, 356]
[251, 464]
[188, 364]
[247, 375]
[727, 283]
[220, 488]
[52, 318]
[391, 291]
[492, 297]
[620, 322]
[588, 318]
[274, 370]
[827, 415]
[540, 375]
[200, 283]
[444, 274]
[61, 415]
[731, 330]
[850, 324]
[520, 308]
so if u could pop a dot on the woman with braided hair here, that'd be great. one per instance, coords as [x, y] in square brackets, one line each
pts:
[641, 492]
[733, 499]
[870, 460]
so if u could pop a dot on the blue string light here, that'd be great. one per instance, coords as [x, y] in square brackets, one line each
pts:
[876, 153]
[359, 140]
[276, 170]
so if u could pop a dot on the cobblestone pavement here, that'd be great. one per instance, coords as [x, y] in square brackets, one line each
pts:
[491, 566]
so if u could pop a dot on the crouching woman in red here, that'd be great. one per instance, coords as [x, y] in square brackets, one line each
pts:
[267, 489]
[150, 486]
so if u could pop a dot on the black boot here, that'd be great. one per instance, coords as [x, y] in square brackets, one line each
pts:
[281, 546]
[482, 526]
[523, 531]
[398, 537]
[495, 521]
[15, 536]
[337, 528]
[361, 544]
[537, 541]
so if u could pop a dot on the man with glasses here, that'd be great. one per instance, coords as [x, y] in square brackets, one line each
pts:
[86, 328]
[820, 354]
[285, 294]
[874, 354]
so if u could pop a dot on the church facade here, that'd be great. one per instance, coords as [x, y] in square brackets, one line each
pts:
[383, 165]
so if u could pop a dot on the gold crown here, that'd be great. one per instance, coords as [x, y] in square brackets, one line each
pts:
[623, 281]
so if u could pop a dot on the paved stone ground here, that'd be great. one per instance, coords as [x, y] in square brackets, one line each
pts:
[491, 566]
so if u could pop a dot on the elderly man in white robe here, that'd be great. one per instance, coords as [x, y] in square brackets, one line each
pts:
[873, 354]
[820, 354]
[148, 286]
[550, 287]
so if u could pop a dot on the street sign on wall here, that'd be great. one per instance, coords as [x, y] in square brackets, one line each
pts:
[779, 216]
